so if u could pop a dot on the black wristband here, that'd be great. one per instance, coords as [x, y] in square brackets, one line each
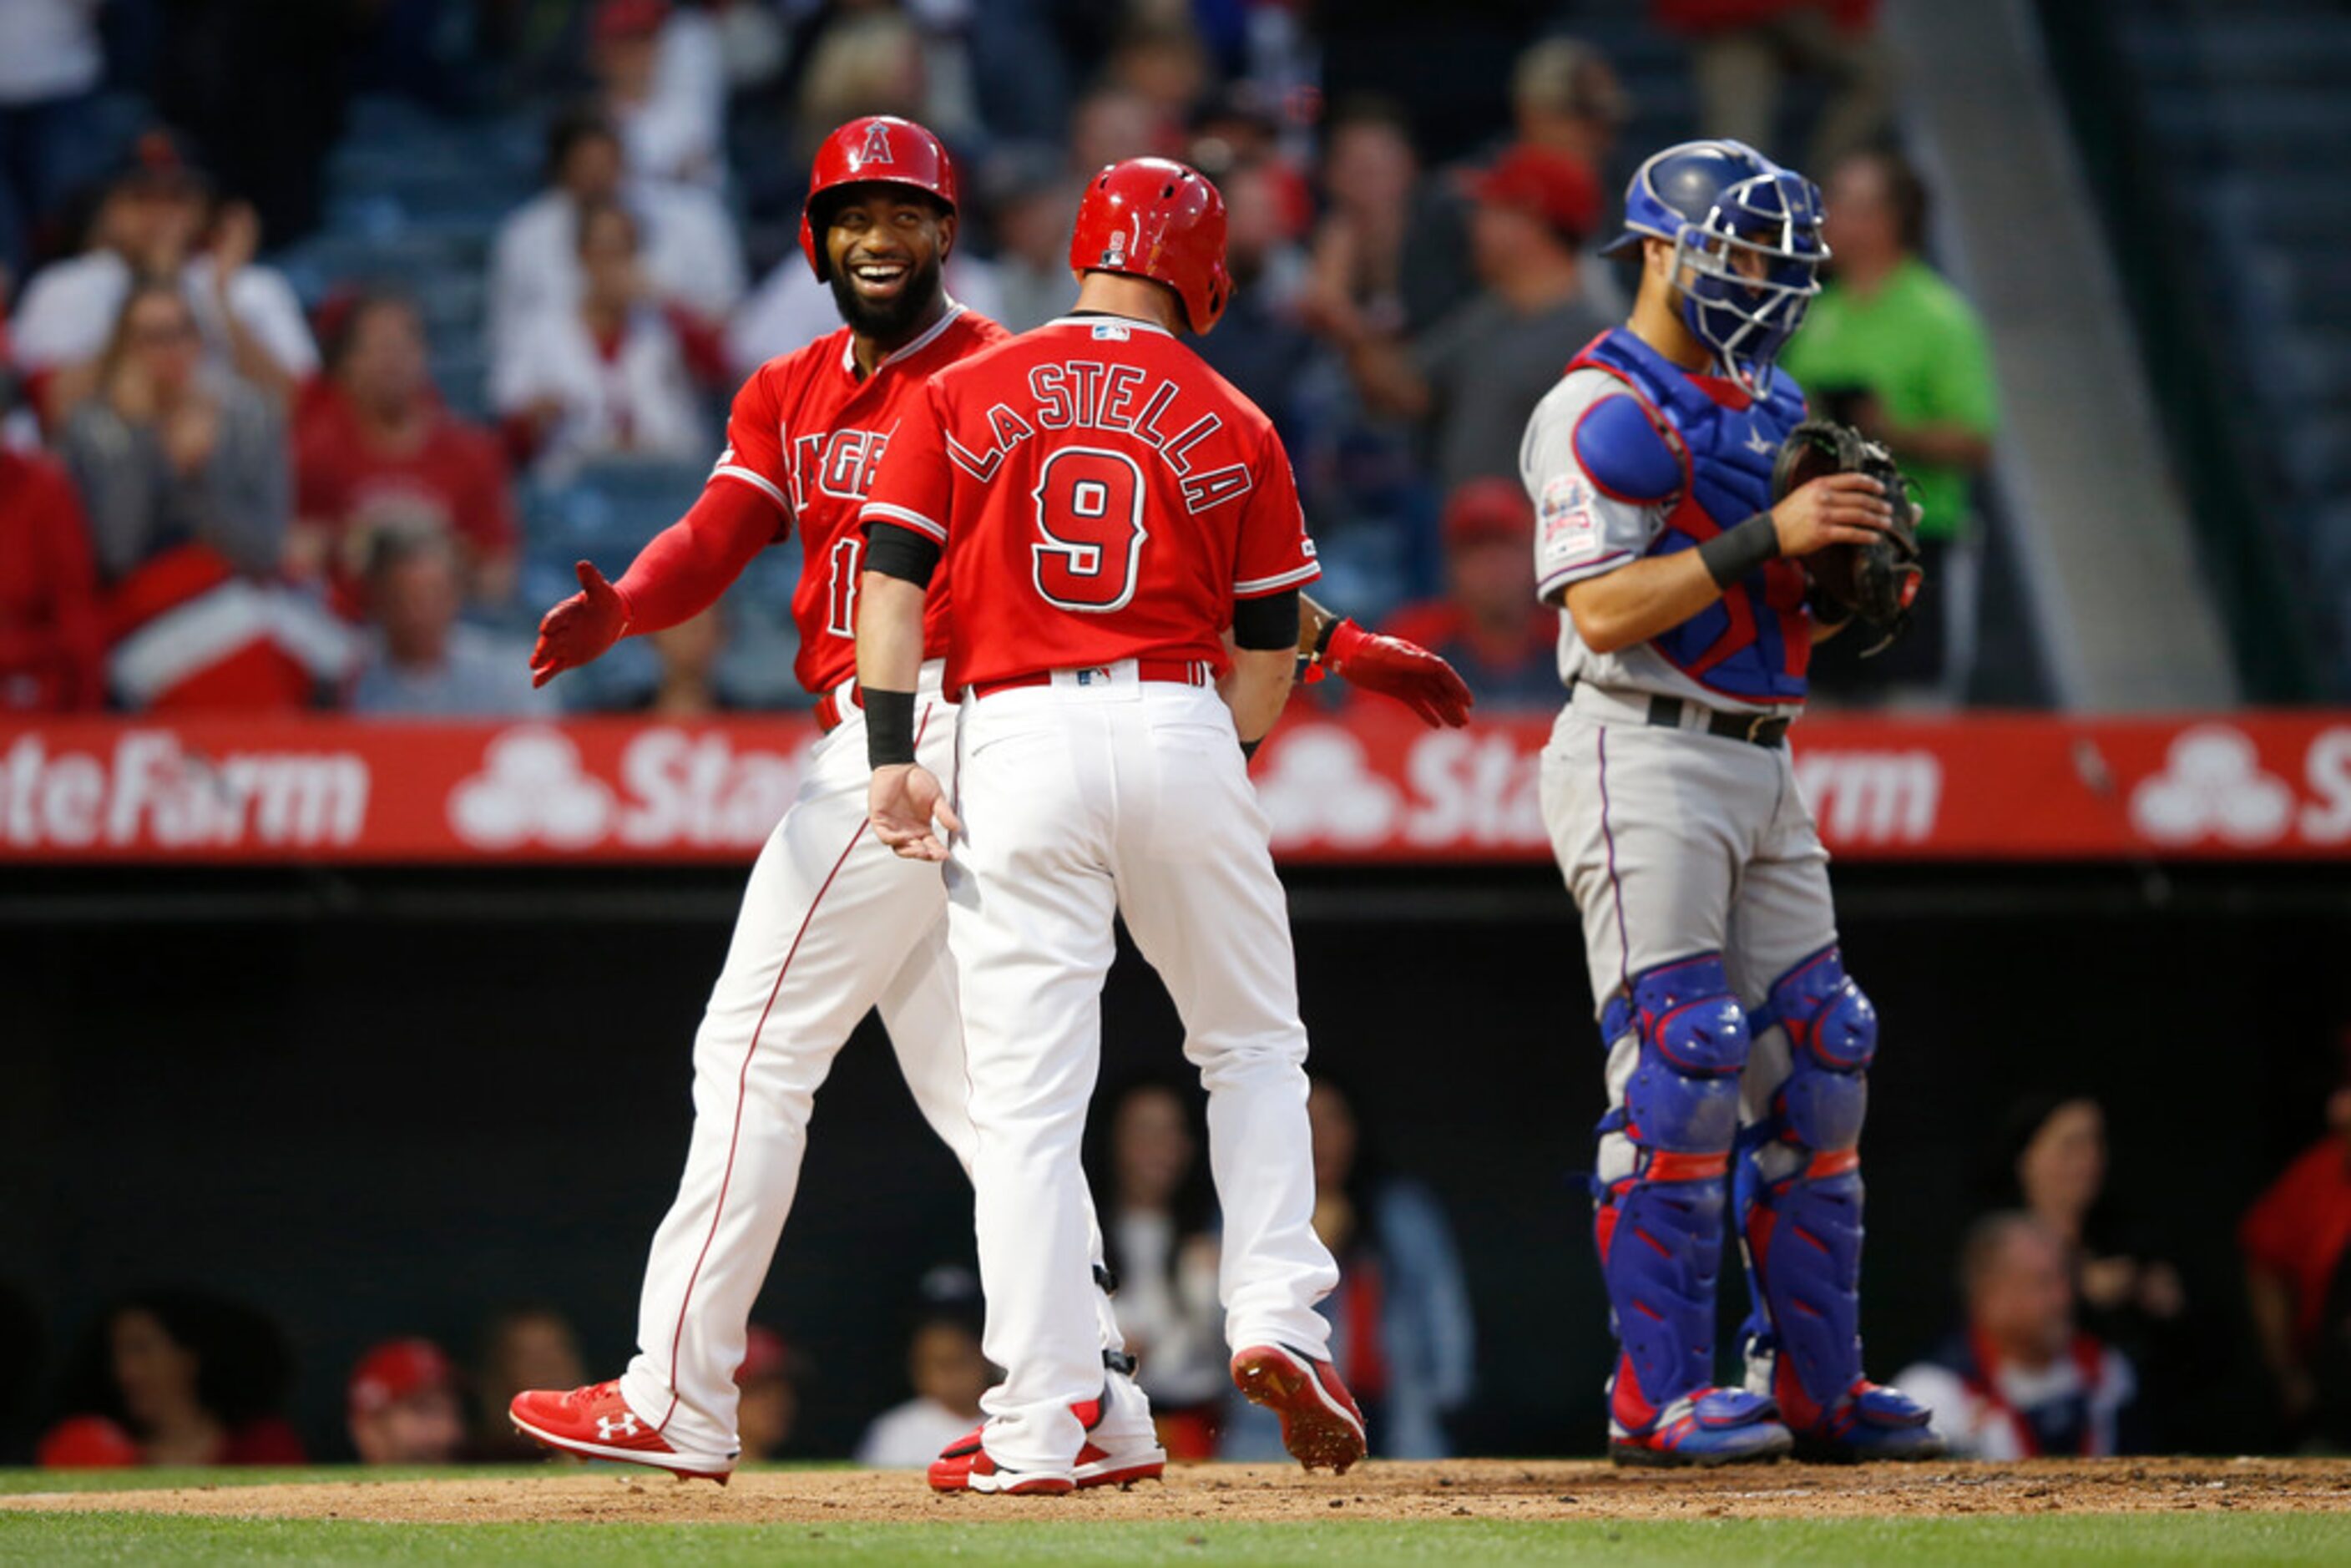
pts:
[1323, 638]
[1734, 552]
[889, 727]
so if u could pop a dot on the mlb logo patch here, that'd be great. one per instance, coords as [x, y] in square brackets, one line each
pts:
[1568, 524]
[1112, 332]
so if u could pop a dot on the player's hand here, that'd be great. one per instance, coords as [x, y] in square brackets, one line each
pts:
[909, 811]
[579, 628]
[1834, 509]
[1405, 671]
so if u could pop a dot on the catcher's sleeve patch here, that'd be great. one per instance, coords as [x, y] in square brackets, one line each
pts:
[1568, 522]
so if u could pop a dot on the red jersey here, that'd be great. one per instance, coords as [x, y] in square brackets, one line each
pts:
[809, 433]
[1101, 494]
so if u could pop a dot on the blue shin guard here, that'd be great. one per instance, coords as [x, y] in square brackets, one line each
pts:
[1802, 1228]
[1659, 1228]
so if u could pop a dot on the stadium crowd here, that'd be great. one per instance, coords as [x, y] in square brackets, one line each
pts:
[277, 439]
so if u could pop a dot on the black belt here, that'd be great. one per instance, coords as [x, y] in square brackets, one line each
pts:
[1755, 728]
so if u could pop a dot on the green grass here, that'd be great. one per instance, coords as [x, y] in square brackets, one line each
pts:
[2011, 1542]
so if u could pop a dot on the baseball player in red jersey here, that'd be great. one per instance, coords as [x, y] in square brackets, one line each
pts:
[832, 923]
[1108, 509]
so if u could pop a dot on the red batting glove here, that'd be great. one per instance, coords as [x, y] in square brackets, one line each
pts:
[1405, 671]
[579, 629]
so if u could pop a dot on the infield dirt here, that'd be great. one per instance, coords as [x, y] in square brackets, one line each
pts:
[1480, 1488]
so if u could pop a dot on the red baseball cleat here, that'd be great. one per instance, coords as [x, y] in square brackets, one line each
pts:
[965, 1465]
[1120, 1462]
[1320, 1422]
[595, 1423]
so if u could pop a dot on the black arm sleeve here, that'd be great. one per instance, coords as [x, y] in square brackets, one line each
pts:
[901, 552]
[1262, 625]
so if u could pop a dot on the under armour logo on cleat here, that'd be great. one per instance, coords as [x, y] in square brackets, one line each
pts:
[607, 1428]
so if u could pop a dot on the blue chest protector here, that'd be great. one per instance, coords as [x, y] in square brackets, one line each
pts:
[1755, 642]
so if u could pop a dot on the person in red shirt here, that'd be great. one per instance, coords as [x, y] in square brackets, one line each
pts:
[1489, 625]
[1123, 539]
[374, 446]
[2296, 1240]
[52, 634]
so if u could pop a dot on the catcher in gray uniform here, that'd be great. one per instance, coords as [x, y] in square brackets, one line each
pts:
[1733, 1034]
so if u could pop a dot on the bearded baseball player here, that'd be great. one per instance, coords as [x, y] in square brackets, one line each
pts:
[832, 924]
[1108, 508]
[1730, 1026]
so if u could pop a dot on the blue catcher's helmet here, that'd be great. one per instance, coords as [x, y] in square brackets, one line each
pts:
[1717, 203]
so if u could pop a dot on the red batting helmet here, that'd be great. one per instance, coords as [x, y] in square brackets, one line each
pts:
[880, 148]
[1153, 217]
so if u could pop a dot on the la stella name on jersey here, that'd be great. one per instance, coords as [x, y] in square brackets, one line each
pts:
[1087, 394]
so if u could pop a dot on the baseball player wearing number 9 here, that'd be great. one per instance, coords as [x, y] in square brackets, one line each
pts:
[1734, 1036]
[832, 925]
[1108, 509]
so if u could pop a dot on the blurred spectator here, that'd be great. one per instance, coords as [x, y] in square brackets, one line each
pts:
[692, 256]
[158, 221]
[420, 663]
[1476, 375]
[1109, 125]
[948, 1373]
[521, 1348]
[2054, 1163]
[1161, 62]
[165, 454]
[867, 61]
[1369, 170]
[1745, 50]
[2053, 1166]
[660, 77]
[2296, 1240]
[50, 67]
[769, 1409]
[181, 1378]
[688, 652]
[2019, 1381]
[1157, 1237]
[1268, 349]
[186, 480]
[52, 638]
[1032, 202]
[1564, 95]
[403, 1405]
[375, 448]
[1893, 349]
[1400, 1331]
[607, 377]
[1489, 624]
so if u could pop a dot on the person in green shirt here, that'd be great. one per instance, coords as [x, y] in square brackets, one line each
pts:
[1891, 348]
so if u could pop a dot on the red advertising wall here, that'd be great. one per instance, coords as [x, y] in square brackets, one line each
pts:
[1372, 787]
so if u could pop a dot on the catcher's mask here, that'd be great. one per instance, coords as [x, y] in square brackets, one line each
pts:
[1718, 202]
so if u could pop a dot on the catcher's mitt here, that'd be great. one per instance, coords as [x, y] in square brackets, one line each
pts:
[1877, 582]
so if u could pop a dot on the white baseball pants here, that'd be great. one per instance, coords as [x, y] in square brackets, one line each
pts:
[831, 924]
[1082, 802]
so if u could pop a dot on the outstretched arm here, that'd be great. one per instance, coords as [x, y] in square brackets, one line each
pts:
[679, 574]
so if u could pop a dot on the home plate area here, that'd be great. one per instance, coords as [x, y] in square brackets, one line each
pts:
[1484, 1489]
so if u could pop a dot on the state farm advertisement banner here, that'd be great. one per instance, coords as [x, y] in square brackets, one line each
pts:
[1371, 787]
